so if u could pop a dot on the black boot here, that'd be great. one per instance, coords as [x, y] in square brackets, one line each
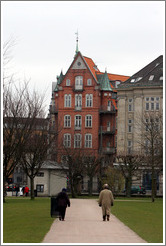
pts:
[108, 217]
[104, 217]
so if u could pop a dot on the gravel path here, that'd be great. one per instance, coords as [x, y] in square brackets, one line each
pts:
[83, 224]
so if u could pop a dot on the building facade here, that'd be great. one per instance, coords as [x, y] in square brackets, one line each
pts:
[83, 110]
[139, 97]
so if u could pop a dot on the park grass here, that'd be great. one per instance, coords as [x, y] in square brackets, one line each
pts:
[26, 221]
[142, 216]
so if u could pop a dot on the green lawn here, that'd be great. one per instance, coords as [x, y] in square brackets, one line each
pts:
[27, 221]
[143, 217]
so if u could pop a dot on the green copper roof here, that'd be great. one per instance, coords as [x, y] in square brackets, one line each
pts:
[60, 78]
[59, 81]
[104, 82]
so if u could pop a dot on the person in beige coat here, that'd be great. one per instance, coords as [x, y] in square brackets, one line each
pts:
[106, 200]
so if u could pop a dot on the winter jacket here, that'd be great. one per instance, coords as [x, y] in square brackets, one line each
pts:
[63, 200]
[106, 200]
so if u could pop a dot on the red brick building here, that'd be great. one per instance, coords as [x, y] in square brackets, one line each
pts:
[84, 109]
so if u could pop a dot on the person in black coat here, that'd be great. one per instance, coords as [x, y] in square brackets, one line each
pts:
[63, 202]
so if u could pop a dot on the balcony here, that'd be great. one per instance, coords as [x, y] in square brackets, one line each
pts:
[78, 108]
[107, 110]
[107, 130]
[53, 109]
[78, 88]
[77, 128]
[109, 150]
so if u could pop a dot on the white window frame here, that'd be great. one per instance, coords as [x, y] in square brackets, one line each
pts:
[151, 77]
[78, 101]
[88, 121]
[89, 100]
[67, 121]
[78, 121]
[77, 140]
[67, 99]
[79, 82]
[68, 82]
[88, 140]
[89, 82]
[67, 140]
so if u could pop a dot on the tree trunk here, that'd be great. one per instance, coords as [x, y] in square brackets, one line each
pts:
[153, 186]
[4, 189]
[32, 188]
[90, 185]
[72, 187]
[128, 187]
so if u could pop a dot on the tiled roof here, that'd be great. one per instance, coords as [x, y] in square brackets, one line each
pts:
[142, 77]
[92, 66]
[116, 77]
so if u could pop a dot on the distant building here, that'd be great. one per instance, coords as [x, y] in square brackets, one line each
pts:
[139, 95]
[83, 110]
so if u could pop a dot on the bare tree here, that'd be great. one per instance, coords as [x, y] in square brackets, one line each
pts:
[92, 166]
[20, 110]
[129, 164]
[72, 164]
[151, 145]
[115, 179]
[36, 150]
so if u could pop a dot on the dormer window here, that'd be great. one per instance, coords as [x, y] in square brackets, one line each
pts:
[137, 79]
[117, 83]
[132, 80]
[151, 77]
[95, 67]
[161, 78]
[79, 83]
[68, 82]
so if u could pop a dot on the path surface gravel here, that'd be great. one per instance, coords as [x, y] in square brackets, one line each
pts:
[83, 224]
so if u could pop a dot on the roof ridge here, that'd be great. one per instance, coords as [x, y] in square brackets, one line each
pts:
[115, 74]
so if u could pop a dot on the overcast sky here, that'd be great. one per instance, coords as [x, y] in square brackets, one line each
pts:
[120, 36]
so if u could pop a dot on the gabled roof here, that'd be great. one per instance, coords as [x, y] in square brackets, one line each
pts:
[101, 78]
[92, 66]
[150, 75]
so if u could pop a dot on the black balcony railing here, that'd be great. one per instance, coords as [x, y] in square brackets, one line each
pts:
[107, 130]
[107, 109]
[109, 150]
[53, 109]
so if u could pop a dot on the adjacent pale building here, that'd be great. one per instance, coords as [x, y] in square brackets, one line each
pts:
[138, 96]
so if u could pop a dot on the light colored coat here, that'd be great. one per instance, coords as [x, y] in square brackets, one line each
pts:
[105, 200]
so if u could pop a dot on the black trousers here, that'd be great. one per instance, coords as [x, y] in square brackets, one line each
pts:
[62, 211]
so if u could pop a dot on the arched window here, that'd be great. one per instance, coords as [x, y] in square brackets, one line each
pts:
[78, 82]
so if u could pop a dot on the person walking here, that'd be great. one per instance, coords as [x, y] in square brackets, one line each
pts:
[26, 190]
[17, 189]
[23, 190]
[63, 202]
[106, 200]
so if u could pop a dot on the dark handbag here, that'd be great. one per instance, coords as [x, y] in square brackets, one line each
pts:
[112, 204]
